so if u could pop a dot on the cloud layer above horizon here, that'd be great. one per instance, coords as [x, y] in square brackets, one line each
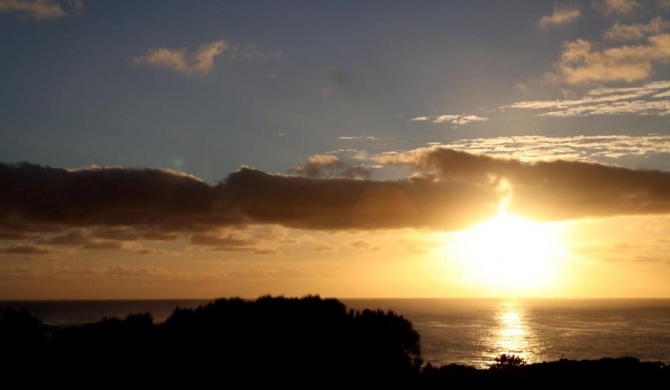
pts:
[450, 190]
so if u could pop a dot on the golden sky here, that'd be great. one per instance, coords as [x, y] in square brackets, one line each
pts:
[359, 149]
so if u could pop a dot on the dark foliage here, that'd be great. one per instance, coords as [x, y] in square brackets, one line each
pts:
[306, 342]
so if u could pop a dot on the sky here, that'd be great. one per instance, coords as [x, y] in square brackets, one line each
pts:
[350, 149]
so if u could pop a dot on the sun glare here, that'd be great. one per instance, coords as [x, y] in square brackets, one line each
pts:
[511, 254]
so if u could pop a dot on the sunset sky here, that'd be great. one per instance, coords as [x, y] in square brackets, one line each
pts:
[201, 149]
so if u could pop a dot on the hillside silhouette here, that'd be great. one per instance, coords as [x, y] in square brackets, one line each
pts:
[301, 342]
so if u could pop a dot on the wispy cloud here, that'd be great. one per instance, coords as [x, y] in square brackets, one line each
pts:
[199, 62]
[358, 137]
[619, 7]
[329, 166]
[531, 148]
[562, 15]
[231, 243]
[249, 51]
[339, 81]
[363, 246]
[647, 99]
[636, 32]
[36, 9]
[24, 249]
[455, 119]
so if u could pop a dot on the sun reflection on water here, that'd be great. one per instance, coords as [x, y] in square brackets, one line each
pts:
[511, 334]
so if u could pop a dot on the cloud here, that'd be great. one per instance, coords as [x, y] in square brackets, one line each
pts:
[78, 6]
[133, 272]
[646, 99]
[326, 248]
[228, 243]
[329, 166]
[248, 51]
[455, 119]
[363, 246]
[37, 199]
[81, 240]
[339, 204]
[340, 81]
[359, 137]
[562, 15]
[199, 62]
[582, 63]
[24, 249]
[578, 148]
[636, 32]
[619, 7]
[37, 9]
[451, 190]
[550, 190]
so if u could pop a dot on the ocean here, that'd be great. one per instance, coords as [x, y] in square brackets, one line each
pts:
[463, 331]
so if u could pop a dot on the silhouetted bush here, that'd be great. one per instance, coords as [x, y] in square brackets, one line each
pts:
[508, 361]
[306, 342]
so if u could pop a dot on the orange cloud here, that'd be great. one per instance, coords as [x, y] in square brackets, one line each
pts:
[201, 62]
[562, 15]
[581, 62]
[36, 9]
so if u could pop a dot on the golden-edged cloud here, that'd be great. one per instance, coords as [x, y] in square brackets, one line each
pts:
[36, 9]
[454, 119]
[552, 190]
[199, 62]
[583, 62]
[646, 99]
[619, 7]
[636, 32]
[594, 148]
[561, 16]
[104, 208]
[329, 166]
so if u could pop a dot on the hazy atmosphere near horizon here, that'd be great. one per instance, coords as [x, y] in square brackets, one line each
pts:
[350, 149]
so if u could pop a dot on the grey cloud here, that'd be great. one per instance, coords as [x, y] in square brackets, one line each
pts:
[97, 208]
[37, 198]
[340, 81]
[329, 166]
[24, 249]
[36, 9]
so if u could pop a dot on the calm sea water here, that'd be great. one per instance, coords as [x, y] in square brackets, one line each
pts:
[464, 331]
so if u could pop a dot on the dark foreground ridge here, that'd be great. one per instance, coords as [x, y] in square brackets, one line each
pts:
[271, 341]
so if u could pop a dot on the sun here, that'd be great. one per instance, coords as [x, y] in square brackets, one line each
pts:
[512, 255]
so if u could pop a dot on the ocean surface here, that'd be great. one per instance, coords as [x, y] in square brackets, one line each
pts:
[463, 331]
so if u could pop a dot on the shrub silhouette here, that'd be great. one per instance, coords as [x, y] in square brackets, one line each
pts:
[509, 361]
[306, 342]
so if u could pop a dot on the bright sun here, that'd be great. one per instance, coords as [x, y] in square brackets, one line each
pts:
[511, 254]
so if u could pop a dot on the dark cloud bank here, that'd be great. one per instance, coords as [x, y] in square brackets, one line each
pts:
[452, 190]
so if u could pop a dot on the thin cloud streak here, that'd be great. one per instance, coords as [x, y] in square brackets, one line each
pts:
[455, 119]
[533, 148]
[647, 99]
[329, 166]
